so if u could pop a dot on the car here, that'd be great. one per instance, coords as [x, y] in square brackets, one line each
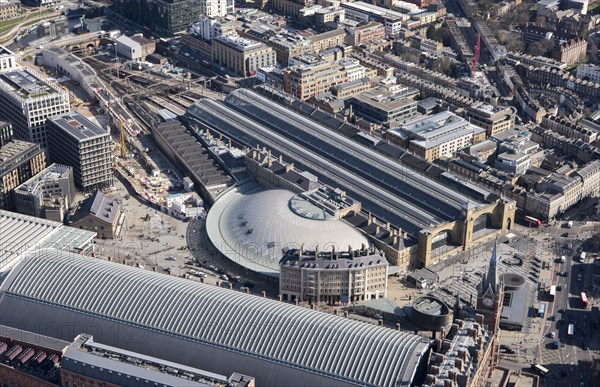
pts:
[504, 346]
[224, 277]
[552, 335]
[559, 287]
[377, 316]
[552, 318]
[561, 311]
[170, 258]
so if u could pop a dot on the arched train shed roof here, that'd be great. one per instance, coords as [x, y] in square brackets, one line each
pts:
[201, 325]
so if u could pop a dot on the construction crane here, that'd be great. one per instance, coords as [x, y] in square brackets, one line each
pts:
[123, 149]
[475, 56]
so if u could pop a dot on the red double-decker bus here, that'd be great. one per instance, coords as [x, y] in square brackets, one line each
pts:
[533, 222]
[583, 298]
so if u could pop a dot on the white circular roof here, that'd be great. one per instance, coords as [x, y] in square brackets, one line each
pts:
[255, 228]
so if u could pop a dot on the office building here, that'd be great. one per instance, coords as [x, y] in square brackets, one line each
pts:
[436, 136]
[516, 162]
[134, 47]
[8, 61]
[568, 48]
[78, 143]
[350, 88]
[361, 11]
[19, 161]
[49, 194]
[370, 32]
[492, 118]
[9, 10]
[382, 106]
[327, 40]
[588, 72]
[333, 276]
[241, 56]
[217, 8]
[100, 215]
[27, 99]
[165, 17]
[312, 78]
[6, 132]
[272, 341]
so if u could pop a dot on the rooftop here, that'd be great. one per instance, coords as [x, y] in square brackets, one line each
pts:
[367, 175]
[342, 260]
[431, 131]
[374, 10]
[111, 364]
[27, 84]
[169, 318]
[13, 149]
[78, 127]
[98, 206]
[255, 227]
[4, 51]
[21, 233]
[240, 44]
[383, 100]
[53, 172]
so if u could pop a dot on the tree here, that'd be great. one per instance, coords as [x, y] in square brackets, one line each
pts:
[444, 66]
[542, 47]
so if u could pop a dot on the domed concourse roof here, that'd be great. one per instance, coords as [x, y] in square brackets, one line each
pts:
[254, 227]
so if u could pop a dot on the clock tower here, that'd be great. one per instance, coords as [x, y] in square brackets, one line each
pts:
[490, 295]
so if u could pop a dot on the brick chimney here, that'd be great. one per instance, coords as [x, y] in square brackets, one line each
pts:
[458, 363]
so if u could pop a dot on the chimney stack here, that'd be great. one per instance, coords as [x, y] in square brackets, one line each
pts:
[264, 294]
[458, 363]
[452, 376]
[479, 318]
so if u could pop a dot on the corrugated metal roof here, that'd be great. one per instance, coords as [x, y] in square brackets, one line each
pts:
[63, 289]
